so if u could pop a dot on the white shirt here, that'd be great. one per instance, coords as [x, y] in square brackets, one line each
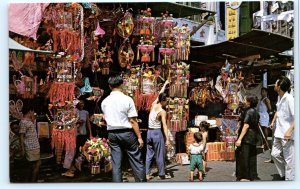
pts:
[196, 149]
[285, 115]
[117, 109]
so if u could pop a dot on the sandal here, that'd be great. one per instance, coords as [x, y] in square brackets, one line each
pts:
[149, 177]
[165, 177]
[68, 174]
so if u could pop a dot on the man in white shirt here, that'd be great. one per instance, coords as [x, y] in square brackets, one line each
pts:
[283, 151]
[123, 131]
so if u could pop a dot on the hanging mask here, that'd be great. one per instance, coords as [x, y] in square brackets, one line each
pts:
[125, 25]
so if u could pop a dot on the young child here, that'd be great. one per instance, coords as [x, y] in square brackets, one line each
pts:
[196, 154]
[204, 131]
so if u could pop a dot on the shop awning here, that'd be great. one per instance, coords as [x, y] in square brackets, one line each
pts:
[178, 10]
[13, 45]
[256, 43]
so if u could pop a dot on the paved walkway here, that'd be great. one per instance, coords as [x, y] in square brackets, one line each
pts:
[217, 171]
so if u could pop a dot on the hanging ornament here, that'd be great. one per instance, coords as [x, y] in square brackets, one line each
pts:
[125, 25]
[145, 23]
[99, 31]
[125, 55]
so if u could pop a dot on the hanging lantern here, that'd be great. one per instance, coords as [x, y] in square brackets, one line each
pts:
[125, 55]
[99, 31]
[125, 25]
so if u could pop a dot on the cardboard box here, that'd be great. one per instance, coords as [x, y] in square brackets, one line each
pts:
[216, 146]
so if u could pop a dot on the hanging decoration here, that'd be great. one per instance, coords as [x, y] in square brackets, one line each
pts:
[204, 93]
[145, 29]
[131, 81]
[125, 25]
[166, 38]
[147, 93]
[145, 23]
[146, 49]
[26, 87]
[177, 114]
[15, 109]
[125, 55]
[179, 75]
[182, 42]
[99, 31]
[63, 128]
[105, 58]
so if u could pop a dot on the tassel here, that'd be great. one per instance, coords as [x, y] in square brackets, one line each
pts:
[153, 56]
[159, 57]
[138, 54]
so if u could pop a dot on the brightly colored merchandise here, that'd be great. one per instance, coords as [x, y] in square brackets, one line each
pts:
[26, 87]
[177, 114]
[125, 25]
[125, 55]
[179, 75]
[145, 23]
[97, 153]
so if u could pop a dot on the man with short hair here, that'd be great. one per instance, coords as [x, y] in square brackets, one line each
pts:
[123, 131]
[283, 151]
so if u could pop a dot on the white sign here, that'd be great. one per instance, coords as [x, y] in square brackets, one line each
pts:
[234, 4]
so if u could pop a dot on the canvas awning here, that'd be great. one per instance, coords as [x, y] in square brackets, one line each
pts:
[255, 43]
[178, 10]
[13, 45]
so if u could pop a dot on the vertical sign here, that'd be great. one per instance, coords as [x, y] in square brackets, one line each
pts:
[232, 19]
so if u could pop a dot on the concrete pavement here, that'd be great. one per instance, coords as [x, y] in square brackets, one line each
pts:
[217, 171]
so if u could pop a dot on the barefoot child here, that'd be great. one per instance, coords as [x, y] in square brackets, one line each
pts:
[204, 131]
[196, 154]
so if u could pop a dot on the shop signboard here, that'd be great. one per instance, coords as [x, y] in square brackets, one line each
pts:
[232, 20]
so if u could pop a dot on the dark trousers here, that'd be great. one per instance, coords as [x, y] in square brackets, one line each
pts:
[155, 146]
[126, 141]
[80, 141]
[246, 162]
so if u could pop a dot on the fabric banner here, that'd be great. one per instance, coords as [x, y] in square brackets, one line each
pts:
[25, 18]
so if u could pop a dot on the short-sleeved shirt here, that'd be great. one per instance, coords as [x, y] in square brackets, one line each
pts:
[30, 135]
[285, 115]
[196, 149]
[117, 109]
[83, 115]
